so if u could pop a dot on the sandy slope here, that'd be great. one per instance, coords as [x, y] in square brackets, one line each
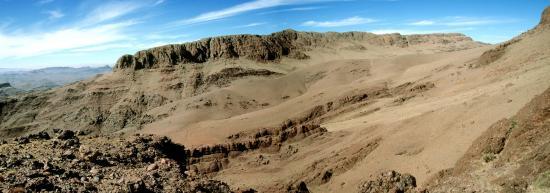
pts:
[426, 134]
[422, 136]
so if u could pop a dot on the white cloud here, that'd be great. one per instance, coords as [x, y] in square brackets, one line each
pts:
[111, 10]
[251, 25]
[165, 36]
[413, 31]
[472, 22]
[103, 47]
[26, 45]
[339, 23]
[291, 9]
[42, 2]
[242, 8]
[423, 23]
[460, 21]
[55, 14]
[158, 2]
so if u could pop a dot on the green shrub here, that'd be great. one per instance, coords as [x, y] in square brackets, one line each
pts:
[488, 157]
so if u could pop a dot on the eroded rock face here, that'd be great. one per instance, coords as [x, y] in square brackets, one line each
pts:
[287, 43]
[213, 158]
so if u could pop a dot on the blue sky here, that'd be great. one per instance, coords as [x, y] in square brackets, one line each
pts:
[44, 33]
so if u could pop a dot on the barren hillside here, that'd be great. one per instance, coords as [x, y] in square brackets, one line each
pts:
[325, 112]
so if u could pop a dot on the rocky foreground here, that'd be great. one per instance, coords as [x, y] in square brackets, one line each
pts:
[67, 162]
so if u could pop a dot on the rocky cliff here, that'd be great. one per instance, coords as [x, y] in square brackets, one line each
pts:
[273, 47]
[545, 18]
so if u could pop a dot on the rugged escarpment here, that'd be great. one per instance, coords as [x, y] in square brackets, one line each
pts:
[273, 47]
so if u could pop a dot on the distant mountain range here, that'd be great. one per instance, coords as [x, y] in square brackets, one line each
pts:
[46, 78]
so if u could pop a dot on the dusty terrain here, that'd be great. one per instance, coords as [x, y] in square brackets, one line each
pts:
[325, 112]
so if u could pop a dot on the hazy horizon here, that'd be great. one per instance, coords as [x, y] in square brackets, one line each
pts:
[51, 33]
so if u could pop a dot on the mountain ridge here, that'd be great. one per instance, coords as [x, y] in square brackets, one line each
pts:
[263, 48]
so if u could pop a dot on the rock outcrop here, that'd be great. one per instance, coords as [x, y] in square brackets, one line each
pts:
[209, 159]
[545, 18]
[390, 182]
[273, 47]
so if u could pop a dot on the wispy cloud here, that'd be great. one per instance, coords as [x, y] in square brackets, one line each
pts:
[105, 27]
[55, 14]
[96, 48]
[291, 10]
[251, 25]
[165, 36]
[111, 10]
[339, 23]
[415, 31]
[42, 2]
[422, 23]
[158, 2]
[243, 8]
[25, 45]
[460, 21]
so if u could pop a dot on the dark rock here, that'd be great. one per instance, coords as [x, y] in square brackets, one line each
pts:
[40, 185]
[40, 135]
[137, 187]
[247, 191]
[66, 134]
[36, 165]
[212, 186]
[326, 176]
[69, 154]
[298, 188]
[22, 140]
